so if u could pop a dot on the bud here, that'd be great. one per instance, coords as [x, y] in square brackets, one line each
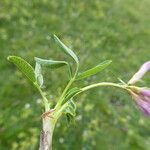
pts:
[141, 72]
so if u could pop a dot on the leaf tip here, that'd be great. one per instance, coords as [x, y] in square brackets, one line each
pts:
[110, 61]
[54, 36]
[9, 58]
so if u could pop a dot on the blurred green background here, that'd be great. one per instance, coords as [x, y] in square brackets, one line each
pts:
[107, 118]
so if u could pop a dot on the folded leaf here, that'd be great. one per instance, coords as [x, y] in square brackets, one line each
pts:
[38, 74]
[70, 110]
[24, 67]
[50, 63]
[67, 50]
[53, 64]
[94, 70]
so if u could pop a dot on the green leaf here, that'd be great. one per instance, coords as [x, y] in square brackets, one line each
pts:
[24, 67]
[67, 50]
[70, 94]
[53, 64]
[70, 110]
[38, 74]
[50, 63]
[94, 70]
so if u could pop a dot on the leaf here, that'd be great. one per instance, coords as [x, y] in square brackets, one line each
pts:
[24, 67]
[38, 74]
[53, 64]
[70, 110]
[94, 70]
[67, 50]
[50, 63]
[70, 94]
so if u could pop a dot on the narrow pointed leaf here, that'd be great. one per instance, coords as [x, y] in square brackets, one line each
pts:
[38, 74]
[24, 67]
[94, 70]
[67, 50]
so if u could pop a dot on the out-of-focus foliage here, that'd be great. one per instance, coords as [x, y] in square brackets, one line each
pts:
[107, 118]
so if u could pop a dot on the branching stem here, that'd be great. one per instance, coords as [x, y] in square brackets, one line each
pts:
[66, 88]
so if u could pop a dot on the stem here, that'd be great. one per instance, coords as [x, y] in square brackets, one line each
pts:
[63, 94]
[45, 100]
[47, 134]
[103, 84]
[49, 123]
[66, 88]
[76, 71]
[59, 112]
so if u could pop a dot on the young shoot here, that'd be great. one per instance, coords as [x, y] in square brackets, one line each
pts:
[65, 103]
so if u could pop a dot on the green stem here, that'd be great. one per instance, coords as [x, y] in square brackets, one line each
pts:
[76, 71]
[59, 113]
[66, 89]
[103, 84]
[64, 92]
[45, 100]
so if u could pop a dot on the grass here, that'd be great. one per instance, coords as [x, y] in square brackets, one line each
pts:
[97, 30]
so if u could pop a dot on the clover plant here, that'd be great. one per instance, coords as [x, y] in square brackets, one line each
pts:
[65, 103]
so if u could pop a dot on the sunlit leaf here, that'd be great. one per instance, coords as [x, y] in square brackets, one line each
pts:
[93, 70]
[67, 50]
[24, 67]
[53, 64]
[50, 63]
[38, 74]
